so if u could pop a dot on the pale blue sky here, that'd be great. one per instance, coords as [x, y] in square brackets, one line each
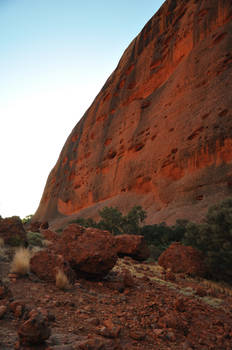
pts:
[54, 58]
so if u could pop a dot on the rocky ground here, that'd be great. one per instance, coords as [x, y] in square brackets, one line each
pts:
[136, 306]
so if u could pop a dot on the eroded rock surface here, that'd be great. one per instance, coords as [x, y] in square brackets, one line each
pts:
[159, 132]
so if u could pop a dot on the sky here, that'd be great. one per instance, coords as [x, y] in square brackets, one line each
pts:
[55, 56]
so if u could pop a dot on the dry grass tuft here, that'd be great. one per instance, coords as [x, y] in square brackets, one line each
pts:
[1, 242]
[21, 261]
[216, 287]
[62, 281]
[2, 250]
[46, 243]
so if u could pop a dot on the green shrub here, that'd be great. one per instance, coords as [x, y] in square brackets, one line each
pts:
[214, 239]
[15, 241]
[155, 251]
[89, 222]
[27, 219]
[133, 220]
[112, 220]
[35, 239]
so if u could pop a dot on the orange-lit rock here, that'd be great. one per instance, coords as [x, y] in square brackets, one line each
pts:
[159, 133]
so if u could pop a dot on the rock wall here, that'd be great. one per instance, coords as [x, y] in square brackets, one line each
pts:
[159, 133]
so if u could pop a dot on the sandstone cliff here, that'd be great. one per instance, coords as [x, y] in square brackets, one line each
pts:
[159, 133]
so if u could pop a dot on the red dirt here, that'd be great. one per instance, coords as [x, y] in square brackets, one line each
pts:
[148, 312]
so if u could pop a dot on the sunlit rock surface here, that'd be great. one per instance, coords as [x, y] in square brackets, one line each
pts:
[159, 133]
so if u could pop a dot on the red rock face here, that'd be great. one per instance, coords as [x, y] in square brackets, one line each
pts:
[159, 132]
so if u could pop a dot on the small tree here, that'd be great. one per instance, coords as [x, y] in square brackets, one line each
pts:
[133, 220]
[112, 220]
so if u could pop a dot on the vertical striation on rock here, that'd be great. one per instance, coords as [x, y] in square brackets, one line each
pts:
[159, 132]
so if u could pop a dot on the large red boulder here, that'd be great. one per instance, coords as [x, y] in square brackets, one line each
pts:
[12, 231]
[181, 259]
[133, 246]
[89, 251]
[45, 264]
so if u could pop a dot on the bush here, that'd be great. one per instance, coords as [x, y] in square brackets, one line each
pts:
[3, 253]
[27, 219]
[83, 222]
[133, 220]
[113, 221]
[21, 261]
[214, 238]
[35, 239]
[160, 236]
[15, 241]
[155, 252]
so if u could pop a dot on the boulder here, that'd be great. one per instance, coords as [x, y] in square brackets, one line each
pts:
[50, 235]
[89, 251]
[5, 292]
[35, 330]
[183, 259]
[12, 231]
[45, 264]
[33, 226]
[133, 246]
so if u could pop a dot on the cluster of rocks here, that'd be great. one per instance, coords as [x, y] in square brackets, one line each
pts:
[92, 254]
[95, 316]
[36, 226]
[87, 252]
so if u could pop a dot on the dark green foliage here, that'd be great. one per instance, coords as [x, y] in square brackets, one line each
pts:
[35, 239]
[15, 241]
[161, 236]
[112, 220]
[27, 219]
[83, 222]
[133, 220]
[214, 239]
[155, 251]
